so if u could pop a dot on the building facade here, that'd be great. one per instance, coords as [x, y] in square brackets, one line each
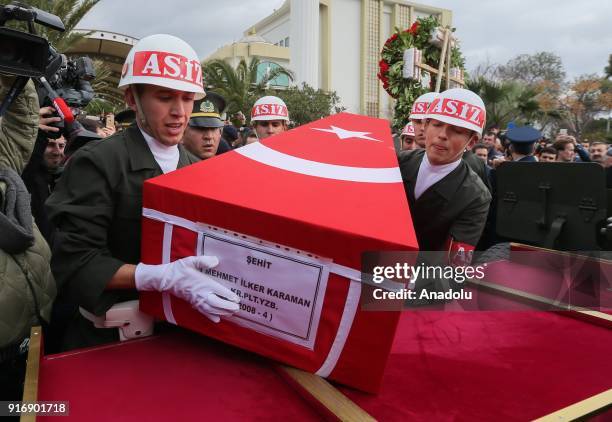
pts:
[335, 45]
[252, 45]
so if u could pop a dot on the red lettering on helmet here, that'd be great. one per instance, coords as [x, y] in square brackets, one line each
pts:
[172, 66]
[151, 66]
[435, 107]
[167, 66]
[420, 107]
[458, 110]
[198, 76]
[475, 116]
[464, 111]
[450, 107]
[189, 70]
[269, 110]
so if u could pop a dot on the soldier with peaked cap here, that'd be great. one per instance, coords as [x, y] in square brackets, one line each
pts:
[124, 119]
[97, 204]
[203, 132]
[448, 201]
[522, 140]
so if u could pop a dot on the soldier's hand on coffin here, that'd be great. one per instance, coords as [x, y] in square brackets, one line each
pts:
[186, 280]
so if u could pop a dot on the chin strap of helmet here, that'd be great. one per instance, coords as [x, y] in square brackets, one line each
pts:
[140, 116]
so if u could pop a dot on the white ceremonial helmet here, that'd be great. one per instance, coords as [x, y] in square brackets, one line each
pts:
[420, 105]
[163, 60]
[269, 108]
[408, 130]
[459, 107]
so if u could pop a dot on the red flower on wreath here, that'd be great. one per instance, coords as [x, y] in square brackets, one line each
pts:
[391, 39]
[383, 66]
[382, 74]
[414, 28]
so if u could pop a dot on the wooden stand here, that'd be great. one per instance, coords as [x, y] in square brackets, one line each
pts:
[336, 404]
[30, 388]
[445, 58]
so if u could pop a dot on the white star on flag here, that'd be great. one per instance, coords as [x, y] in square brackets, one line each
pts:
[346, 134]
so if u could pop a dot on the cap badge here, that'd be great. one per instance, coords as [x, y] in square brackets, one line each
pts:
[207, 107]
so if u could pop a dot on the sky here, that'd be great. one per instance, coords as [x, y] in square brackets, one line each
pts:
[492, 31]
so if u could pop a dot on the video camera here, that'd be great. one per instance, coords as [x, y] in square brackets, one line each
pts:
[71, 83]
[62, 83]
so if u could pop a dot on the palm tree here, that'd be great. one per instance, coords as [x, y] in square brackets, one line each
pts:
[239, 86]
[507, 101]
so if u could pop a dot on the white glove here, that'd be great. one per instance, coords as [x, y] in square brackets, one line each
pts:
[185, 280]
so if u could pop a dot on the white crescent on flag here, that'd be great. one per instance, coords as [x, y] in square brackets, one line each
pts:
[265, 155]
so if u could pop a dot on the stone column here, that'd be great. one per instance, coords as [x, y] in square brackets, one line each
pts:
[304, 41]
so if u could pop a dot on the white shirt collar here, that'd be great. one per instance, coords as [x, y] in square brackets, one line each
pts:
[443, 169]
[166, 156]
[430, 174]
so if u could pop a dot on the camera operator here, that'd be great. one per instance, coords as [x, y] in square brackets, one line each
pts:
[44, 168]
[26, 284]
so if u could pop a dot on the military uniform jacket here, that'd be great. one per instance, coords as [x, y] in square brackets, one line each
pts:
[456, 206]
[478, 166]
[97, 207]
[528, 159]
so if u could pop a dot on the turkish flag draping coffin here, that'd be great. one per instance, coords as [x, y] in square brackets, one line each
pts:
[289, 218]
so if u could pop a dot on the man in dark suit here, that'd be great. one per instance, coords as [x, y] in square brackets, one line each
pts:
[448, 201]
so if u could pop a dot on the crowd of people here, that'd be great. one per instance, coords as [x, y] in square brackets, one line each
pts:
[496, 146]
[76, 189]
[87, 201]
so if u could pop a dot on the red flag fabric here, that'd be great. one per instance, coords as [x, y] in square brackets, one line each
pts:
[310, 200]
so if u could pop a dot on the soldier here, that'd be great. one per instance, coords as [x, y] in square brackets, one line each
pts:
[417, 116]
[97, 204]
[522, 140]
[269, 116]
[448, 201]
[407, 138]
[203, 133]
[124, 119]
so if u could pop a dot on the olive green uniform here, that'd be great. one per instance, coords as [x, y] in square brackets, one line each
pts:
[478, 166]
[97, 208]
[456, 205]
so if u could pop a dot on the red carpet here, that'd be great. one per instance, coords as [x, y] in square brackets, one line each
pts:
[483, 366]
